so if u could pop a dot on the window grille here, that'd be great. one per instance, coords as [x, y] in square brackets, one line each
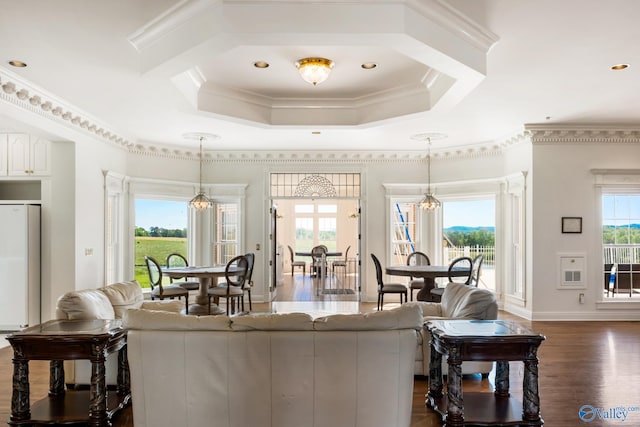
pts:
[315, 185]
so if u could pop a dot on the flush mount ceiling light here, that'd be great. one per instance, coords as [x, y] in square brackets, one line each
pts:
[201, 202]
[314, 70]
[429, 202]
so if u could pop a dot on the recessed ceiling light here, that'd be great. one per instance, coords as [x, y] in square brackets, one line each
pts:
[619, 67]
[315, 132]
[261, 64]
[17, 63]
[369, 65]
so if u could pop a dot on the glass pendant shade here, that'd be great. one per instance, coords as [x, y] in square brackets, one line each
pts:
[200, 202]
[429, 202]
[314, 70]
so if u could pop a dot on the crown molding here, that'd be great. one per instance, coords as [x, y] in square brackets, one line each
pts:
[574, 134]
[22, 94]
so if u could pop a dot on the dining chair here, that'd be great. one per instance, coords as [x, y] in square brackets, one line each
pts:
[417, 258]
[341, 263]
[387, 288]
[160, 291]
[463, 262]
[474, 278]
[232, 288]
[248, 283]
[295, 263]
[319, 260]
[178, 260]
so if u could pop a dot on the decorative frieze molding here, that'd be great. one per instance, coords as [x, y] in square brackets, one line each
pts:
[564, 134]
[275, 157]
[20, 93]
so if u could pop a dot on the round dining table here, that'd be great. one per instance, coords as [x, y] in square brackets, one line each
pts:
[207, 277]
[427, 272]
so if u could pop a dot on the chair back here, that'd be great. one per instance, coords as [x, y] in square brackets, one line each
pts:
[463, 262]
[290, 253]
[251, 257]
[155, 273]
[418, 258]
[176, 260]
[233, 276]
[346, 254]
[376, 262]
[474, 279]
[318, 253]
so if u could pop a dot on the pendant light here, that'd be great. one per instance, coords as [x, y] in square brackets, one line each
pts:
[200, 202]
[429, 202]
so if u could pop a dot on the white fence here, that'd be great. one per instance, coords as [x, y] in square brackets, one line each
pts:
[451, 252]
[621, 254]
[487, 272]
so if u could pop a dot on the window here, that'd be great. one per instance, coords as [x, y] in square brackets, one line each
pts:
[160, 229]
[404, 231]
[316, 224]
[225, 232]
[621, 244]
[469, 230]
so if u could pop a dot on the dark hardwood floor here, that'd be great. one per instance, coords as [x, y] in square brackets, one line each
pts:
[581, 363]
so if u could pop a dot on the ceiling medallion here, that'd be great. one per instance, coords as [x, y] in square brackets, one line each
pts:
[314, 70]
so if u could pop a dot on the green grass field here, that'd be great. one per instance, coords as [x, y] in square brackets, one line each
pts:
[158, 248]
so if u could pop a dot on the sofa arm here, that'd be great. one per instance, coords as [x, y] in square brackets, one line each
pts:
[174, 306]
[429, 309]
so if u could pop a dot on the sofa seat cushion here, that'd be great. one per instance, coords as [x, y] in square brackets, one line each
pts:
[123, 296]
[87, 304]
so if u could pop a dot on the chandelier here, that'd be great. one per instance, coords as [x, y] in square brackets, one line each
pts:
[200, 202]
[314, 70]
[429, 202]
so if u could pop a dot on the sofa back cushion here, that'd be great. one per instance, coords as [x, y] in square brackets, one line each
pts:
[408, 317]
[87, 304]
[124, 296]
[403, 317]
[464, 301]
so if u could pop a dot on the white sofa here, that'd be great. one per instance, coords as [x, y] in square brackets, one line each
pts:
[459, 301]
[272, 370]
[108, 302]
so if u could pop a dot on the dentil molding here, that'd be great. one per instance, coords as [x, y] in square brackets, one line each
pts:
[22, 94]
[555, 134]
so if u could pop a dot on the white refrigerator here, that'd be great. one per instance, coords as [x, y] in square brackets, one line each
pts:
[19, 266]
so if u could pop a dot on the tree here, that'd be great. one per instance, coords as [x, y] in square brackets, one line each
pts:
[141, 232]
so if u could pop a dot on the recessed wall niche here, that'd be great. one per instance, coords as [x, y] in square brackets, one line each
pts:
[20, 190]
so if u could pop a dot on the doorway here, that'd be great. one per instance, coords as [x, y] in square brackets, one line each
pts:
[311, 210]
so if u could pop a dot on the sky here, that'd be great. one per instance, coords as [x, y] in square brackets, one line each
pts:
[472, 213]
[161, 213]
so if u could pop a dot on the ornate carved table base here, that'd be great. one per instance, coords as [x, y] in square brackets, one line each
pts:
[60, 340]
[485, 340]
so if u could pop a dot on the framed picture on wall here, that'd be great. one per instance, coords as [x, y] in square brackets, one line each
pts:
[572, 224]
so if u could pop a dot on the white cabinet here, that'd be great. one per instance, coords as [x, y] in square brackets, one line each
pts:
[28, 155]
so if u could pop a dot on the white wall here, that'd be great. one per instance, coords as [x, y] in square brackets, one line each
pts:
[563, 185]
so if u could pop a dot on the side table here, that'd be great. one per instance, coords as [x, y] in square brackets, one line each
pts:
[483, 340]
[59, 340]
